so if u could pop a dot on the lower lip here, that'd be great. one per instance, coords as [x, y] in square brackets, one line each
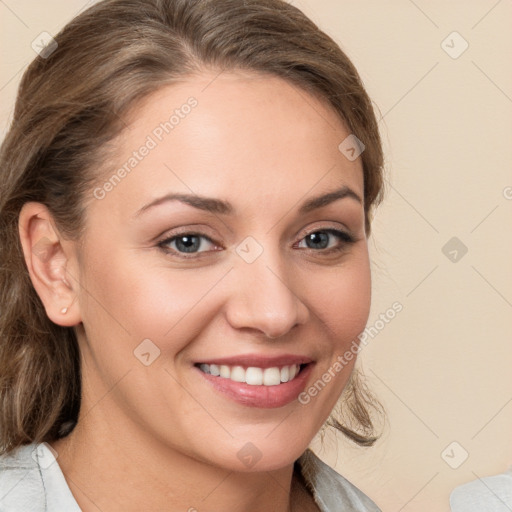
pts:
[267, 397]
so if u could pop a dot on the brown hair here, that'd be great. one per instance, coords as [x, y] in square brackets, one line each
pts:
[69, 107]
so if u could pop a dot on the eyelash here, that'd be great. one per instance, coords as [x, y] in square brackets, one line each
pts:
[344, 237]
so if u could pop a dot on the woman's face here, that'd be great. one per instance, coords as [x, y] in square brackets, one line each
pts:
[245, 272]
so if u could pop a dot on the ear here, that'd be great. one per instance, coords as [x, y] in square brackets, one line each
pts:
[51, 263]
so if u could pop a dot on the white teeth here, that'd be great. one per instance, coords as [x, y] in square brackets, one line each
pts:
[237, 374]
[271, 376]
[253, 376]
[225, 371]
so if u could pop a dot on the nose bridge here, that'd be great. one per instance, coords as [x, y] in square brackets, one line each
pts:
[263, 295]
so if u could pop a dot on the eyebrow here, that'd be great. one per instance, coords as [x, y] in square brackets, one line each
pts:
[219, 206]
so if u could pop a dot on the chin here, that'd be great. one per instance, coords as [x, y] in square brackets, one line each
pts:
[260, 454]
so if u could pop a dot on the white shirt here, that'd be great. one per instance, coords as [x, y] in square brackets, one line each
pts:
[489, 494]
[31, 481]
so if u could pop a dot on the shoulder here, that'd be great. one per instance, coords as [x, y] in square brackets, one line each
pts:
[488, 494]
[330, 489]
[20, 481]
[31, 479]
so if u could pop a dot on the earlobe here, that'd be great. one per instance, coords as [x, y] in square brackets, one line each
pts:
[48, 258]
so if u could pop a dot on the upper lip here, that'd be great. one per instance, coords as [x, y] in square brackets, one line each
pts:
[258, 361]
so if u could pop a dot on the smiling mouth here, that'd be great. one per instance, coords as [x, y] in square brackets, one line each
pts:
[252, 375]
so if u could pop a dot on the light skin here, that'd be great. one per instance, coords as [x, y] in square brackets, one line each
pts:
[160, 437]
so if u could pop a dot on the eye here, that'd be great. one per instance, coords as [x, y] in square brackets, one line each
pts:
[322, 239]
[187, 243]
[191, 245]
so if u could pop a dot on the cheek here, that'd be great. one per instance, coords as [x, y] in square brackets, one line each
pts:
[125, 304]
[341, 299]
[341, 302]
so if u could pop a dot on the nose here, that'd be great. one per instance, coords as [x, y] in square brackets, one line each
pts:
[264, 297]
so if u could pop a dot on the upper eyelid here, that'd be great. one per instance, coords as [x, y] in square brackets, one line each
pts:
[327, 227]
[198, 232]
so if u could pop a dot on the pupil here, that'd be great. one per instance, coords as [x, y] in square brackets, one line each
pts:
[317, 238]
[187, 243]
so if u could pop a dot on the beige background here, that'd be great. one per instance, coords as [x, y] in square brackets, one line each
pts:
[442, 366]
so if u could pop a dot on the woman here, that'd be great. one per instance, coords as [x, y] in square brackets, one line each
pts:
[187, 196]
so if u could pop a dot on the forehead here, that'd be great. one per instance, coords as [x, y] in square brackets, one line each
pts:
[246, 136]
